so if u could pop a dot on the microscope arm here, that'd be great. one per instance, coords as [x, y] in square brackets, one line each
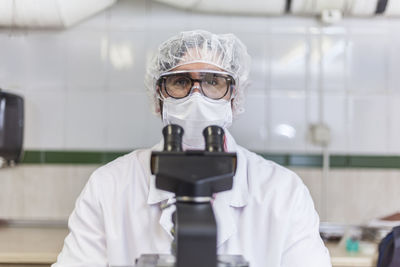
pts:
[196, 235]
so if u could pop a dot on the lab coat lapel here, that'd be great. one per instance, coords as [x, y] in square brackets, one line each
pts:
[161, 198]
[155, 195]
[166, 217]
[224, 217]
[240, 190]
[225, 203]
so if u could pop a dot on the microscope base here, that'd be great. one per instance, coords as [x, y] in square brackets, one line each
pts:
[165, 260]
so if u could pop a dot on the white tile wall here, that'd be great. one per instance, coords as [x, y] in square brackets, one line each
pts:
[312, 116]
[314, 71]
[288, 61]
[287, 121]
[367, 59]
[87, 56]
[46, 61]
[394, 124]
[335, 115]
[368, 123]
[163, 17]
[333, 49]
[258, 49]
[256, 139]
[85, 121]
[70, 79]
[394, 64]
[210, 22]
[129, 121]
[45, 115]
[96, 22]
[246, 24]
[13, 67]
[125, 60]
[127, 16]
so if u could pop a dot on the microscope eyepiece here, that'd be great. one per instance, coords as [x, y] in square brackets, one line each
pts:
[214, 138]
[172, 137]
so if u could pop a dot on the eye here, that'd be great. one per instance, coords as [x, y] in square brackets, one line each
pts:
[214, 82]
[183, 82]
[211, 80]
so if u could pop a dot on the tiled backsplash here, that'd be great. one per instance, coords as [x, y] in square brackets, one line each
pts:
[354, 196]
[41, 192]
[49, 192]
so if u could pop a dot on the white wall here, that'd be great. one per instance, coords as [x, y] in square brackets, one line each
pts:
[84, 86]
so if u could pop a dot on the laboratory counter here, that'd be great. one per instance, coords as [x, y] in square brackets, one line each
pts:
[22, 246]
[30, 246]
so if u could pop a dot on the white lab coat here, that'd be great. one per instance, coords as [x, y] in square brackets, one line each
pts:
[268, 216]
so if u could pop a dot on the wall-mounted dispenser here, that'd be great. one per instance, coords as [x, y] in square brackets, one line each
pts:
[11, 128]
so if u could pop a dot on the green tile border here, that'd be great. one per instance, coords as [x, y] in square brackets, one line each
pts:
[294, 160]
[278, 158]
[336, 161]
[305, 160]
[375, 161]
[70, 157]
[33, 157]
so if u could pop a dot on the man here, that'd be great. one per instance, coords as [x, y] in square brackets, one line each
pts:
[196, 79]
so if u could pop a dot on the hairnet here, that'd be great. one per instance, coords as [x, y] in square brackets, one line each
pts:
[225, 51]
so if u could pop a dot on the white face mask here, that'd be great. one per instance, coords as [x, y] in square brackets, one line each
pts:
[193, 114]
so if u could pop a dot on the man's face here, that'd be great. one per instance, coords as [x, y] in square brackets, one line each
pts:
[196, 75]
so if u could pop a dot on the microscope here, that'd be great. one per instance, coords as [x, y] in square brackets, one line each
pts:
[194, 176]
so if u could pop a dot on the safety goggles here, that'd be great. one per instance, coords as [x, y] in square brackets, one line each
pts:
[212, 84]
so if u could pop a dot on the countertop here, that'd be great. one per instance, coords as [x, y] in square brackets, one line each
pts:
[41, 245]
[31, 244]
[341, 258]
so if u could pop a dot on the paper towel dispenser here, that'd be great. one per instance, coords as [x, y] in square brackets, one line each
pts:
[11, 128]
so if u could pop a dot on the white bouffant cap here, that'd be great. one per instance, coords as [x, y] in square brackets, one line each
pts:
[224, 51]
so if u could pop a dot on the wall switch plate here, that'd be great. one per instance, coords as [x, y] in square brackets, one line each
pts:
[331, 16]
[320, 134]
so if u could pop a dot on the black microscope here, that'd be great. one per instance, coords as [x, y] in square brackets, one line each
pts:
[194, 176]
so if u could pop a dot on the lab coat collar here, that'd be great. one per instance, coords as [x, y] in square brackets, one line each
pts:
[237, 197]
[156, 195]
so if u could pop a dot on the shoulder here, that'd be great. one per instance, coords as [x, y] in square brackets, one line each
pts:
[266, 178]
[121, 171]
[267, 171]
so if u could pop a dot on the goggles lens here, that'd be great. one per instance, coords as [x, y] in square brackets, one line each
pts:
[214, 85]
